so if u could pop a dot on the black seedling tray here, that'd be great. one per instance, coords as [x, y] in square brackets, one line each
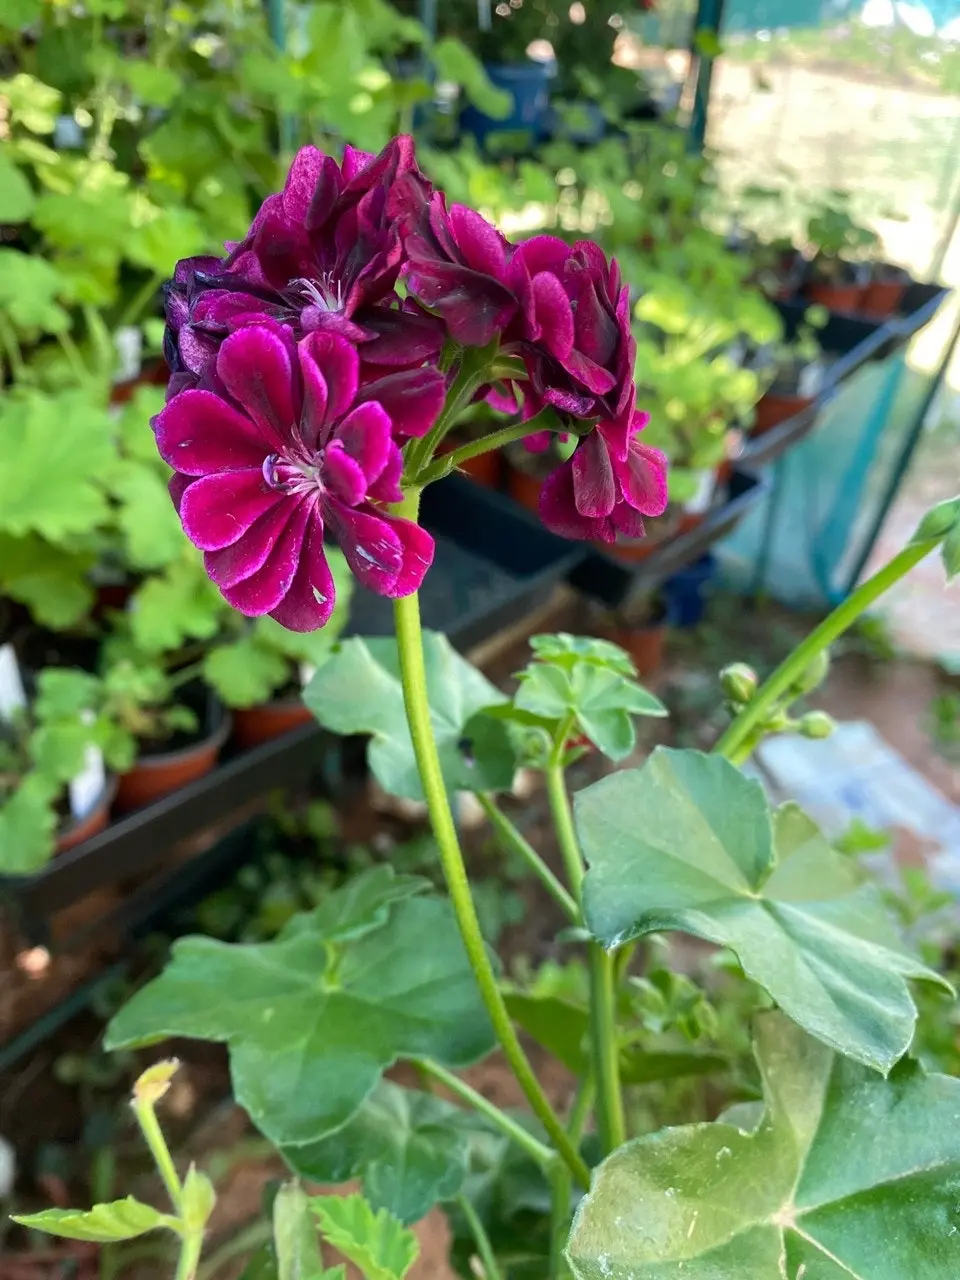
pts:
[494, 563]
[613, 582]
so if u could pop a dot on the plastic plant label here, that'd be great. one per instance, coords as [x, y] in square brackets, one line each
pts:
[87, 787]
[128, 341]
[12, 696]
[700, 502]
[810, 380]
[67, 134]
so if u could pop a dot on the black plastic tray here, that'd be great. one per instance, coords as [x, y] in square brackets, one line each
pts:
[133, 844]
[494, 563]
[613, 582]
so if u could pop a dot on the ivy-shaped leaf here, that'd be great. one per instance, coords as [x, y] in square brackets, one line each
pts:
[359, 691]
[51, 581]
[408, 1147]
[849, 1176]
[16, 194]
[49, 477]
[146, 516]
[687, 842]
[382, 1247]
[312, 1022]
[244, 673]
[28, 821]
[591, 682]
[181, 603]
[360, 906]
[118, 1220]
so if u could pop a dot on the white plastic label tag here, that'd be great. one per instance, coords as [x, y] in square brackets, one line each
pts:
[12, 696]
[87, 787]
[706, 483]
[810, 380]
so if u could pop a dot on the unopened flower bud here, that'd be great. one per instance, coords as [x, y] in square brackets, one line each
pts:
[739, 682]
[938, 521]
[155, 1081]
[816, 724]
[813, 675]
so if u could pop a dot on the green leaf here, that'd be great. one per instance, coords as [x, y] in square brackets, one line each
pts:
[198, 1200]
[950, 553]
[454, 61]
[178, 604]
[244, 673]
[16, 14]
[567, 651]
[157, 86]
[360, 906]
[687, 843]
[49, 580]
[848, 1175]
[296, 1241]
[118, 1220]
[16, 194]
[358, 690]
[408, 1148]
[312, 1023]
[32, 103]
[559, 1025]
[29, 291]
[592, 688]
[147, 518]
[382, 1247]
[28, 822]
[639, 1067]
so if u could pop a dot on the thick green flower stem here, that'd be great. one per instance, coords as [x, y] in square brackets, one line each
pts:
[534, 1148]
[603, 1025]
[561, 1187]
[742, 733]
[414, 678]
[486, 444]
[191, 1240]
[485, 1252]
[513, 839]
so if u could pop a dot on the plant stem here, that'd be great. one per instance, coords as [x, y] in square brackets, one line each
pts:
[534, 1148]
[561, 1187]
[153, 1134]
[496, 440]
[140, 300]
[603, 1022]
[514, 840]
[414, 678]
[74, 358]
[473, 372]
[256, 1233]
[753, 715]
[189, 1259]
[484, 1248]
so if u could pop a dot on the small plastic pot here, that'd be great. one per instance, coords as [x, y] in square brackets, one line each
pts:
[485, 469]
[253, 725]
[92, 823]
[835, 297]
[154, 776]
[686, 592]
[881, 298]
[645, 644]
[524, 487]
[775, 407]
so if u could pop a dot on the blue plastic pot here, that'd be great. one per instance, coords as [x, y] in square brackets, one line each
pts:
[686, 592]
[529, 84]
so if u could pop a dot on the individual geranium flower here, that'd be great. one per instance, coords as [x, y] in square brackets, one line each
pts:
[323, 254]
[562, 308]
[281, 444]
[599, 496]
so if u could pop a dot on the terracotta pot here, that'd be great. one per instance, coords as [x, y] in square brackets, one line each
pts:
[690, 520]
[644, 644]
[154, 776]
[724, 471]
[881, 298]
[775, 408]
[79, 829]
[253, 725]
[153, 374]
[525, 488]
[631, 552]
[485, 469]
[835, 297]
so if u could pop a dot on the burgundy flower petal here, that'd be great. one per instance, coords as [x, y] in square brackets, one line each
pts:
[309, 602]
[482, 246]
[627, 521]
[402, 339]
[365, 435]
[371, 548]
[298, 190]
[553, 315]
[282, 250]
[231, 565]
[416, 548]
[263, 591]
[343, 476]
[315, 423]
[218, 509]
[197, 433]
[475, 307]
[643, 479]
[594, 483]
[355, 160]
[339, 365]
[255, 365]
[386, 487]
[177, 486]
[413, 399]
[558, 507]
[541, 253]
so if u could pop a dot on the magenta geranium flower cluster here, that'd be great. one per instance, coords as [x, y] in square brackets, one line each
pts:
[305, 360]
